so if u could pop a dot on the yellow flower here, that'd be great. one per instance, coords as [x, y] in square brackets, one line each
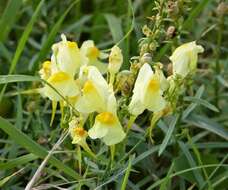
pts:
[78, 133]
[45, 71]
[184, 58]
[91, 55]
[108, 128]
[147, 92]
[95, 91]
[66, 56]
[115, 60]
[63, 83]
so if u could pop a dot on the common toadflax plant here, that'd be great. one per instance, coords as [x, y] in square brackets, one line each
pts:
[86, 81]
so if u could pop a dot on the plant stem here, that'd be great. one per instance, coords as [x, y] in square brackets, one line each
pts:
[217, 54]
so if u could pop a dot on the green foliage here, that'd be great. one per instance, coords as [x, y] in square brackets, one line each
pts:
[190, 148]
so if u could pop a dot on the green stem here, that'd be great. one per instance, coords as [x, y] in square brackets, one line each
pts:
[112, 151]
[130, 123]
[217, 53]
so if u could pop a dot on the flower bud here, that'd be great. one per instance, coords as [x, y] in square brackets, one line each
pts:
[115, 60]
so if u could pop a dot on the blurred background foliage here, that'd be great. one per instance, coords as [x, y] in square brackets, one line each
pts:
[202, 132]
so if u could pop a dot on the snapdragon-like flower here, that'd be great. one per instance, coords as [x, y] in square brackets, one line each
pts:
[147, 92]
[66, 56]
[184, 58]
[115, 60]
[45, 71]
[63, 83]
[98, 96]
[78, 134]
[91, 55]
[107, 126]
[95, 91]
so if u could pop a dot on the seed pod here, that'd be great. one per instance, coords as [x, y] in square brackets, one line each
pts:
[170, 32]
[125, 82]
[222, 9]
[146, 58]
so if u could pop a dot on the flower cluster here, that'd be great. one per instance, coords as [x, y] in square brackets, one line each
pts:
[80, 77]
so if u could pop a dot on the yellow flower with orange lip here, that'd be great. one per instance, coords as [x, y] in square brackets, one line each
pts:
[66, 56]
[63, 83]
[108, 128]
[91, 55]
[184, 58]
[147, 92]
[45, 71]
[78, 134]
[95, 91]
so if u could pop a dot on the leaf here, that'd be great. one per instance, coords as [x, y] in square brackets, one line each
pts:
[114, 24]
[17, 161]
[197, 174]
[222, 81]
[202, 102]
[27, 143]
[192, 106]
[4, 79]
[208, 124]
[168, 134]
[194, 13]
[167, 178]
[6, 179]
[8, 18]
[126, 176]
[21, 44]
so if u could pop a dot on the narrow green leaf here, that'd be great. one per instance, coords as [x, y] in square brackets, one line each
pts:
[4, 79]
[126, 176]
[194, 13]
[8, 18]
[168, 134]
[192, 163]
[202, 102]
[222, 81]
[208, 124]
[22, 43]
[6, 179]
[167, 178]
[192, 106]
[24, 37]
[114, 24]
[17, 161]
[27, 143]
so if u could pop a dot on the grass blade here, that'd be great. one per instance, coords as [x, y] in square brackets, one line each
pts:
[114, 24]
[208, 124]
[8, 18]
[168, 134]
[27, 143]
[126, 176]
[192, 163]
[22, 43]
[192, 106]
[4, 79]
[202, 102]
[17, 161]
